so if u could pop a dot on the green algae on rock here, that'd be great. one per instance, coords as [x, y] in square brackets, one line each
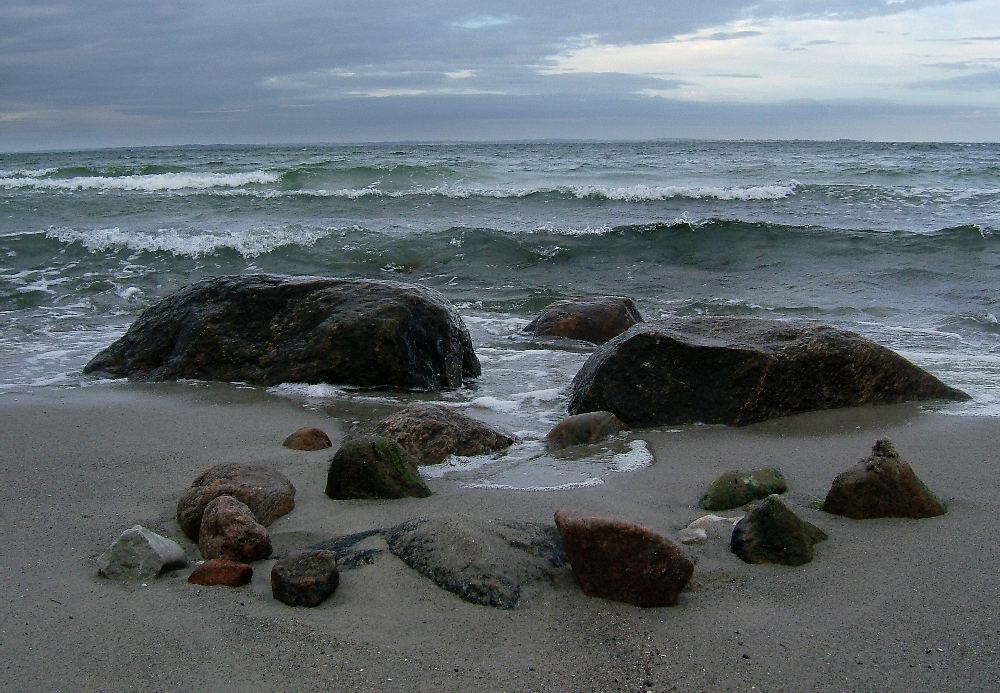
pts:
[374, 468]
[737, 488]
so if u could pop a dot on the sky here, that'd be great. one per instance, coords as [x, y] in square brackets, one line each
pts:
[90, 73]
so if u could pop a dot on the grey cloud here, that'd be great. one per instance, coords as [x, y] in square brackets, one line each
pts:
[977, 81]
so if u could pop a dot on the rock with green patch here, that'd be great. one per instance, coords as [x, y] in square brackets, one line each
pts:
[736, 489]
[772, 533]
[374, 468]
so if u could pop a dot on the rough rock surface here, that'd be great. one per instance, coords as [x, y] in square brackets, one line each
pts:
[267, 329]
[580, 429]
[735, 489]
[220, 572]
[734, 370]
[772, 533]
[374, 468]
[883, 485]
[308, 439]
[697, 531]
[139, 554]
[267, 493]
[589, 318]
[432, 432]
[305, 578]
[489, 562]
[229, 530]
[622, 561]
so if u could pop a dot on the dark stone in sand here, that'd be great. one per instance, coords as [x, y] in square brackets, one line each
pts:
[735, 489]
[220, 572]
[308, 439]
[267, 493]
[374, 468]
[484, 562]
[772, 533]
[432, 432]
[229, 530]
[589, 318]
[882, 485]
[580, 429]
[305, 578]
[742, 370]
[267, 329]
[623, 561]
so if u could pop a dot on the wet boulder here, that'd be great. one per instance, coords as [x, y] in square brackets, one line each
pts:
[589, 318]
[374, 468]
[735, 489]
[267, 329]
[307, 439]
[267, 492]
[591, 427]
[739, 371]
[772, 533]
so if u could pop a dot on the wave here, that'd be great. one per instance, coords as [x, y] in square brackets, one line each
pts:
[151, 182]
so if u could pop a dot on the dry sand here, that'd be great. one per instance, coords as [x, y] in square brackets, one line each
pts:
[887, 605]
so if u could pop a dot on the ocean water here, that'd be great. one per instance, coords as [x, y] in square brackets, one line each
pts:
[896, 241]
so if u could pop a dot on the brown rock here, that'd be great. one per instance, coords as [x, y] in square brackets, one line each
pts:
[267, 493]
[584, 428]
[589, 318]
[220, 572]
[308, 439]
[882, 485]
[622, 561]
[229, 530]
[305, 578]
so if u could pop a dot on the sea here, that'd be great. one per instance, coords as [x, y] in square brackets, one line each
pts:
[897, 241]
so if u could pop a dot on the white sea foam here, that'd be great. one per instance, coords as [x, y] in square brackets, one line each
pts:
[307, 390]
[592, 481]
[154, 182]
[636, 457]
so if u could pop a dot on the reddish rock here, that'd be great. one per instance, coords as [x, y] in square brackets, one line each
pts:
[229, 530]
[308, 439]
[584, 428]
[220, 572]
[267, 493]
[305, 578]
[595, 319]
[622, 561]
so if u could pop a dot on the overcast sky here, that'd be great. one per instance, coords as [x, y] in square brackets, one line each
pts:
[83, 73]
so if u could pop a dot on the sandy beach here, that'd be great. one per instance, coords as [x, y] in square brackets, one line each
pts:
[896, 605]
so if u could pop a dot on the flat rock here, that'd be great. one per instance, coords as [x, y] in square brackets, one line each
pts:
[305, 578]
[589, 318]
[218, 572]
[623, 561]
[267, 329]
[882, 485]
[489, 562]
[308, 439]
[736, 489]
[771, 533]
[139, 554]
[737, 371]
[268, 494]
[374, 468]
[582, 429]
[229, 530]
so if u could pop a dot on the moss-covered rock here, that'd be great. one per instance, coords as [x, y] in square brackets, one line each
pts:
[374, 468]
[736, 489]
[772, 533]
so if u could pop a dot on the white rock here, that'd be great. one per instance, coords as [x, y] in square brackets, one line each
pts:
[139, 554]
[697, 531]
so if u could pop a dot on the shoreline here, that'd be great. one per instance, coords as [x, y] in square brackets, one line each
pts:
[886, 604]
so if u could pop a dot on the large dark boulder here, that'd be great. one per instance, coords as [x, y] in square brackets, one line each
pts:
[266, 329]
[742, 370]
[589, 318]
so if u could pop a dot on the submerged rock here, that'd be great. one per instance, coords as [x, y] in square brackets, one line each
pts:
[229, 530]
[267, 329]
[219, 572]
[772, 533]
[267, 493]
[308, 439]
[882, 485]
[139, 554]
[374, 468]
[741, 370]
[589, 318]
[305, 578]
[736, 489]
[581, 429]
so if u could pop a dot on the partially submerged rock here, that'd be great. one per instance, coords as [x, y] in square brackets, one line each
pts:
[772, 533]
[589, 318]
[736, 489]
[432, 432]
[139, 554]
[229, 530]
[308, 439]
[622, 561]
[374, 468]
[267, 493]
[305, 578]
[581, 429]
[741, 370]
[267, 329]
[697, 531]
[882, 485]
[219, 572]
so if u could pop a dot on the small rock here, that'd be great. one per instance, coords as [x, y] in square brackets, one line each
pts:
[139, 554]
[594, 319]
[736, 489]
[882, 485]
[697, 531]
[305, 578]
[374, 468]
[229, 530]
[268, 494]
[580, 429]
[772, 533]
[308, 439]
[221, 572]
[622, 561]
